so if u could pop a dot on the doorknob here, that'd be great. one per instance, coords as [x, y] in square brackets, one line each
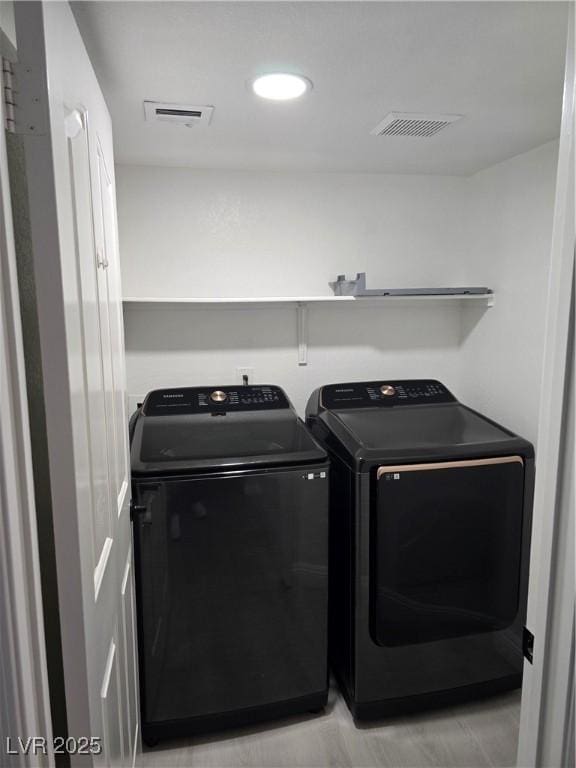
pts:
[136, 509]
[73, 124]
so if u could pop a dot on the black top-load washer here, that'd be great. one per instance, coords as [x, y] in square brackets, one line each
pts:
[430, 535]
[230, 512]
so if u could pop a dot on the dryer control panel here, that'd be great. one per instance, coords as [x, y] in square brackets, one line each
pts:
[370, 394]
[196, 400]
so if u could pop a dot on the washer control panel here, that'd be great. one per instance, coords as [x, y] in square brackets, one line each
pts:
[369, 394]
[194, 400]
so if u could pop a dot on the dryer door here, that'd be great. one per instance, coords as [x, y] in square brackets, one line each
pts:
[445, 552]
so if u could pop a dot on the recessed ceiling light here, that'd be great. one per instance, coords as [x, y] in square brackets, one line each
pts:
[280, 86]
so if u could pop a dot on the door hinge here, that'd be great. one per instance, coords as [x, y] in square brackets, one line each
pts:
[26, 110]
[528, 645]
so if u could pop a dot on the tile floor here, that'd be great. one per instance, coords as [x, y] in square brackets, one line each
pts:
[482, 733]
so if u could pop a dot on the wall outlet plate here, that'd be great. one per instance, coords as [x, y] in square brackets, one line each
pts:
[242, 372]
[133, 401]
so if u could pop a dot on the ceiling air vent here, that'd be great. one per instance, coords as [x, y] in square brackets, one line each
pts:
[413, 124]
[179, 114]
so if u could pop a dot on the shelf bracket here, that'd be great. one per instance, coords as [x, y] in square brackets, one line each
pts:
[302, 332]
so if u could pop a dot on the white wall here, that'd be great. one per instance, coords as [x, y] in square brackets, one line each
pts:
[216, 233]
[501, 356]
[7, 29]
[202, 233]
[187, 233]
[168, 346]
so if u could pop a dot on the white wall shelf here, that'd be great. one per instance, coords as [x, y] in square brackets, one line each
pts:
[301, 303]
[268, 301]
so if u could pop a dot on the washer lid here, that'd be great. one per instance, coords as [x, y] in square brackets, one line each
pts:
[392, 420]
[244, 440]
[425, 427]
[425, 431]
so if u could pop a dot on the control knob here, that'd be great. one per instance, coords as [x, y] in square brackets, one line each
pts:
[387, 390]
[218, 396]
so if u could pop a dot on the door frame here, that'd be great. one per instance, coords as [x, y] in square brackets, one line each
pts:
[45, 240]
[546, 717]
[25, 707]
[21, 606]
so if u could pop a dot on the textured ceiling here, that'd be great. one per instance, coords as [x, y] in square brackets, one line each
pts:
[500, 64]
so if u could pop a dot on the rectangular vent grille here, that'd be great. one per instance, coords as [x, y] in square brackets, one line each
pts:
[414, 128]
[407, 124]
[180, 114]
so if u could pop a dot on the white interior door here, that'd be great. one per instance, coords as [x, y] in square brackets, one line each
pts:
[70, 172]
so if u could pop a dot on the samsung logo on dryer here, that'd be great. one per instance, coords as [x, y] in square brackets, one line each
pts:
[177, 395]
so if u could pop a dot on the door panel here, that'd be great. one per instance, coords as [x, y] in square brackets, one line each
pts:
[446, 549]
[78, 153]
[113, 342]
[129, 651]
[116, 328]
[112, 708]
[100, 182]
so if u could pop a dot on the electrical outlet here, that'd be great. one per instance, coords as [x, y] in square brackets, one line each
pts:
[133, 401]
[245, 375]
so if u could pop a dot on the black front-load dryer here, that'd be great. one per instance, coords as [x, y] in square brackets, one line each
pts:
[230, 522]
[429, 545]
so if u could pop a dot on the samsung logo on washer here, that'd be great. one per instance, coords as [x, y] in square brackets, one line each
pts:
[179, 395]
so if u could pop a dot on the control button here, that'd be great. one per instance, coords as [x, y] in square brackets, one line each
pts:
[387, 390]
[218, 396]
